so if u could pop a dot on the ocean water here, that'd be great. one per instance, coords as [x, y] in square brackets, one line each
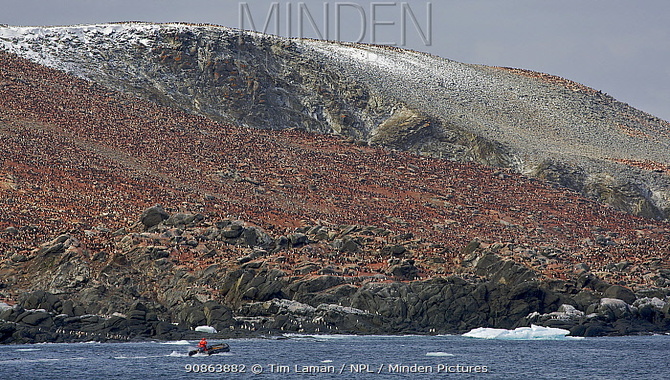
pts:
[348, 357]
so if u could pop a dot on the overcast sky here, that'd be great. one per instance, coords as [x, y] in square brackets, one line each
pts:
[621, 47]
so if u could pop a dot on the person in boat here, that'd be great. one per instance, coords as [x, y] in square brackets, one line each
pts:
[202, 346]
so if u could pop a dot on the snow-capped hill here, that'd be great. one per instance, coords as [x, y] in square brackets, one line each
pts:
[534, 123]
[108, 198]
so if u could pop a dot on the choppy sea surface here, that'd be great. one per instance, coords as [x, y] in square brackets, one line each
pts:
[347, 357]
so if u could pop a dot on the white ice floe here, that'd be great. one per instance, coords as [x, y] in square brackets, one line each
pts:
[206, 329]
[521, 333]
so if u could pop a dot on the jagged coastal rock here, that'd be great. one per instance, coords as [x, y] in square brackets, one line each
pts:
[143, 291]
[533, 123]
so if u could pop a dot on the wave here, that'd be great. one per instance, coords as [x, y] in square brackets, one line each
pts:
[319, 336]
[439, 353]
[39, 360]
[521, 333]
[138, 357]
[177, 342]
[178, 354]
[350, 336]
[201, 355]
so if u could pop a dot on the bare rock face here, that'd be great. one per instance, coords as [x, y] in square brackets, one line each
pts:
[153, 216]
[116, 298]
[534, 123]
[621, 293]
[405, 271]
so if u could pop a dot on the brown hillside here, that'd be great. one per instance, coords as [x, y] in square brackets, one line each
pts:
[76, 157]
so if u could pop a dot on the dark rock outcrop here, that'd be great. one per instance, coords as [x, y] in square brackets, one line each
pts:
[146, 290]
[153, 216]
[619, 292]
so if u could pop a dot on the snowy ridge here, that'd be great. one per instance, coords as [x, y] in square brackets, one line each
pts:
[490, 102]
[47, 46]
[59, 47]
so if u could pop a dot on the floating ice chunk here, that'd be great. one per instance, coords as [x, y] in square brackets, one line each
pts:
[521, 333]
[206, 329]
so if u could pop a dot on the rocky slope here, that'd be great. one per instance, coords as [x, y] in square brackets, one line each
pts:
[272, 231]
[177, 272]
[533, 123]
